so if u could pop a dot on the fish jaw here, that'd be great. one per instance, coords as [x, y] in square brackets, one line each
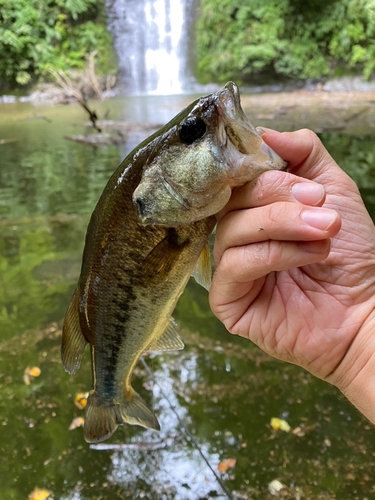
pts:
[245, 151]
[188, 182]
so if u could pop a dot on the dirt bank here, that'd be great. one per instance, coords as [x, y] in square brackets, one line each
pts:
[351, 112]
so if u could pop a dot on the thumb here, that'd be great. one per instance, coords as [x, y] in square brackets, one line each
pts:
[303, 150]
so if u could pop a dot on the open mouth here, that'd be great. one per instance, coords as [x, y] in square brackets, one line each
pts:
[236, 131]
[229, 98]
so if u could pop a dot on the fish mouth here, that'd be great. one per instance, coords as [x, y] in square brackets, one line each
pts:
[274, 158]
[243, 136]
[229, 98]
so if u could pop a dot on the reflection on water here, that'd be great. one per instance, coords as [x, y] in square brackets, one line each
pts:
[214, 400]
[178, 467]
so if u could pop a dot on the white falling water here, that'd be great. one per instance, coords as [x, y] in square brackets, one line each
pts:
[152, 40]
[163, 60]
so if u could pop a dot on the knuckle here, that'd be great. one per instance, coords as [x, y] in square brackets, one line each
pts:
[269, 183]
[276, 213]
[228, 262]
[317, 151]
[312, 136]
[269, 254]
[275, 254]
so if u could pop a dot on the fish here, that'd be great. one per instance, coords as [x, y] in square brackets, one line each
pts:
[147, 235]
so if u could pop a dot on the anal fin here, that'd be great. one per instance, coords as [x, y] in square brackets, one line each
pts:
[134, 411]
[169, 341]
[73, 342]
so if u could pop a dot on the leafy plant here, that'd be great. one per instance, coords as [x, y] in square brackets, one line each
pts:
[245, 38]
[36, 35]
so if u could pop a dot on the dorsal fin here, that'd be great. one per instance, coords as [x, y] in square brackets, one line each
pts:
[202, 271]
[73, 342]
[169, 341]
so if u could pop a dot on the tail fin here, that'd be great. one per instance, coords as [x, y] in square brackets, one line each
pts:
[103, 416]
[101, 419]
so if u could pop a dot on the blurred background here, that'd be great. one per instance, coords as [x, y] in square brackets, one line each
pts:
[82, 82]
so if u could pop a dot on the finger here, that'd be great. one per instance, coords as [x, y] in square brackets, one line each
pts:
[273, 186]
[278, 221]
[241, 266]
[303, 150]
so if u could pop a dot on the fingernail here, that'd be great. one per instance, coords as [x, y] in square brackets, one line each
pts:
[260, 131]
[309, 193]
[319, 219]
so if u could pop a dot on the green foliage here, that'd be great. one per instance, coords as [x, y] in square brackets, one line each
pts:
[232, 39]
[36, 35]
[310, 39]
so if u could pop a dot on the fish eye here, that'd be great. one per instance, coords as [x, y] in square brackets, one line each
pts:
[191, 129]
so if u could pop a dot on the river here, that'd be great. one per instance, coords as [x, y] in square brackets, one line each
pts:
[214, 400]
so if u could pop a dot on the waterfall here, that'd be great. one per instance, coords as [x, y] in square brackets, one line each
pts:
[152, 39]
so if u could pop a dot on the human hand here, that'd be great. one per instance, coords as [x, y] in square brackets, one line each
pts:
[295, 264]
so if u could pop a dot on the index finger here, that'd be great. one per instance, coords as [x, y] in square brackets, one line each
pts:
[274, 186]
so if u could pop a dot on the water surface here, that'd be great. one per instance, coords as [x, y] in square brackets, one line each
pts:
[214, 400]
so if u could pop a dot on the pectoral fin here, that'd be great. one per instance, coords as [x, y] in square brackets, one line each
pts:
[202, 271]
[169, 341]
[73, 342]
[163, 256]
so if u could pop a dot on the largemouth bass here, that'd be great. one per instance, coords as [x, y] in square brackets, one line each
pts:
[146, 235]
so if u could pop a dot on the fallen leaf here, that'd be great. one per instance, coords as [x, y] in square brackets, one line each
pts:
[298, 431]
[279, 424]
[303, 429]
[39, 494]
[275, 486]
[30, 373]
[76, 422]
[327, 442]
[35, 371]
[229, 463]
[81, 400]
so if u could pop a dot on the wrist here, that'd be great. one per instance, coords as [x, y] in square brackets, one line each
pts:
[356, 377]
